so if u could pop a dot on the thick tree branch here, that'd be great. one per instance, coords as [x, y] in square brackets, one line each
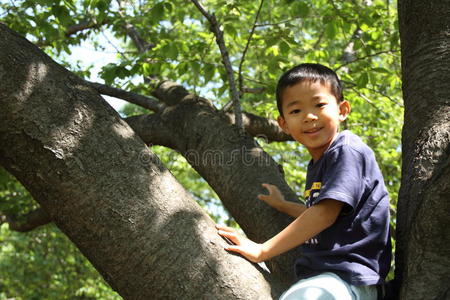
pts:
[143, 101]
[232, 163]
[261, 127]
[30, 221]
[110, 195]
[152, 130]
[169, 92]
[256, 126]
[172, 93]
[218, 33]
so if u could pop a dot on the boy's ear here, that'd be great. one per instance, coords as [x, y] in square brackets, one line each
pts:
[344, 110]
[283, 125]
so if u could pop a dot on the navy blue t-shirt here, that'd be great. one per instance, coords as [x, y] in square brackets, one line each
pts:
[357, 246]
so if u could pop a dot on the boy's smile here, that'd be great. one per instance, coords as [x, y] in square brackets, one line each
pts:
[311, 115]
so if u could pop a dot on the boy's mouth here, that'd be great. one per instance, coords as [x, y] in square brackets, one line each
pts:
[313, 130]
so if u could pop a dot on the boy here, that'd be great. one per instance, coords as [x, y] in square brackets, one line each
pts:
[344, 228]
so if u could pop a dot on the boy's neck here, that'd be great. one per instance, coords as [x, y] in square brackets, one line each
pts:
[315, 156]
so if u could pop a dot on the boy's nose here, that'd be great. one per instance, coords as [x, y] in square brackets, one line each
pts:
[310, 117]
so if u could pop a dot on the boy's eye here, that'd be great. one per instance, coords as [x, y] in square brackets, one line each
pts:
[295, 111]
[321, 104]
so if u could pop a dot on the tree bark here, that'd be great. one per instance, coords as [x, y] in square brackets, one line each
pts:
[232, 163]
[106, 191]
[423, 226]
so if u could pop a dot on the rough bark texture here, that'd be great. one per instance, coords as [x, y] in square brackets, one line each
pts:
[229, 160]
[102, 187]
[423, 225]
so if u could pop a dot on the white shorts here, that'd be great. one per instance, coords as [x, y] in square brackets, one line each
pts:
[328, 286]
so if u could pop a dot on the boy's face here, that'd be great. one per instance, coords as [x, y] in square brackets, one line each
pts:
[311, 115]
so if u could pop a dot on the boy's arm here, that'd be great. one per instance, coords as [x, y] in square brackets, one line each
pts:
[314, 220]
[276, 200]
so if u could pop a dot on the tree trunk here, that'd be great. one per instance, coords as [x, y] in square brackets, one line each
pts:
[104, 189]
[423, 225]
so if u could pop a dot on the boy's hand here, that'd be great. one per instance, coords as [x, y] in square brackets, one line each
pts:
[275, 198]
[250, 250]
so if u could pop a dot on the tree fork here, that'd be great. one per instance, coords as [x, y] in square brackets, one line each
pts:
[232, 164]
[106, 191]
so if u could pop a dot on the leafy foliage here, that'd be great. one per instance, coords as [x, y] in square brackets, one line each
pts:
[42, 264]
[359, 39]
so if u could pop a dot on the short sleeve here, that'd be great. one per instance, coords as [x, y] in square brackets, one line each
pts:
[343, 180]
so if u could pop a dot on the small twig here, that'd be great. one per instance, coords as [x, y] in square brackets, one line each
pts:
[143, 101]
[319, 39]
[31, 221]
[279, 23]
[338, 12]
[71, 30]
[384, 95]
[114, 46]
[81, 27]
[349, 52]
[245, 90]
[367, 56]
[218, 33]
[365, 98]
[140, 43]
[253, 90]
[241, 83]
[368, 100]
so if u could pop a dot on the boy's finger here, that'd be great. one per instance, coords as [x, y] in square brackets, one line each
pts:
[233, 248]
[267, 186]
[229, 235]
[262, 197]
[224, 228]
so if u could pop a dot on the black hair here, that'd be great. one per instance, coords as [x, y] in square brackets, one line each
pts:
[309, 72]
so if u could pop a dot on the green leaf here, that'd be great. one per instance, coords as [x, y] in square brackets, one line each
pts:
[146, 69]
[362, 80]
[381, 70]
[157, 12]
[271, 41]
[284, 47]
[230, 30]
[302, 8]
[195, 67]
[209, 71]
[69, 4]
[331, 30]
[102, 5]
[170, 50]
[182, 68]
